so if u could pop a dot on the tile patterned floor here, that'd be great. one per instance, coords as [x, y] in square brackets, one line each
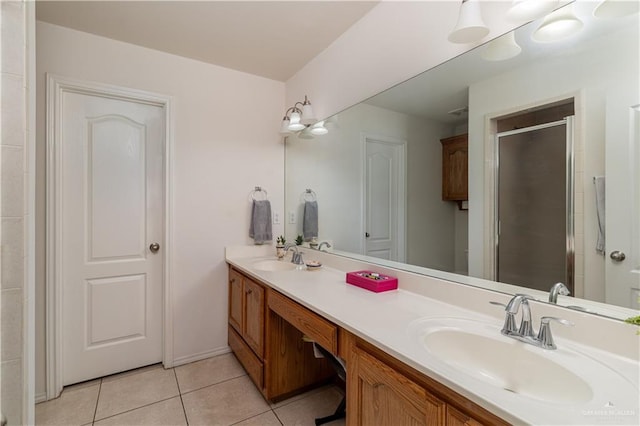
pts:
[214, 391]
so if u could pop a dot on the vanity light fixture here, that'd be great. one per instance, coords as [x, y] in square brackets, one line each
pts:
[297, 117]
[616, 8]
[300, 118]
[529, 10]
[470, 27]
[557, 25]
[502, 48]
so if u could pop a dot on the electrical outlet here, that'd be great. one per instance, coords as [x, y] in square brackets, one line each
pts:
[276, 218]
[292, 218]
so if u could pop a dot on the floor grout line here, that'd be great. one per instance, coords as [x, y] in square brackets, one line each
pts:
[213, 384]
[95, 411]
[184, 410]
[137, 408]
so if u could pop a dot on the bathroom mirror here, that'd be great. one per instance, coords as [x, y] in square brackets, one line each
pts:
[393, 140]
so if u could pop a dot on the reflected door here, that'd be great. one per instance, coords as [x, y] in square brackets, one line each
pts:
[622, 244]
[533, 233]
[112, 202]
[384, 198]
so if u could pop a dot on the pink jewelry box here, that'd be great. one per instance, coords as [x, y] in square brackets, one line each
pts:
[372, 281]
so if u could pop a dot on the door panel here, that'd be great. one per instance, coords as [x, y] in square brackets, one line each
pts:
[384, 199]
[112, 165]
[116, 143]
[128, 293]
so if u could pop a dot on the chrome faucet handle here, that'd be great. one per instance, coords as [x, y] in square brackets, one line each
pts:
[545, 338]
[509, 328]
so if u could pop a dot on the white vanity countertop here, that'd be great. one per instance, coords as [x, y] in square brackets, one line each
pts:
[387, 320]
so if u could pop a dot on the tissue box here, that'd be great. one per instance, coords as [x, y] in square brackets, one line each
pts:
[372, 281]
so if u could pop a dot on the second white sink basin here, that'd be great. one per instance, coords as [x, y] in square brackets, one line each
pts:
[274, 265]
[509, 365]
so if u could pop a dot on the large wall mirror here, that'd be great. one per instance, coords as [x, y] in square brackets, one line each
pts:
[541, 168]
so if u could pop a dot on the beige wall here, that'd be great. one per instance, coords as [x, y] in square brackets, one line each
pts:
[226, 142]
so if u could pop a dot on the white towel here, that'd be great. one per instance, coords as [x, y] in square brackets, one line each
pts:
[599, 183]
[260, 227]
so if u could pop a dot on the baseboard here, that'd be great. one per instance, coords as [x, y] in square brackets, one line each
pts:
[200, 356]
[41, 397]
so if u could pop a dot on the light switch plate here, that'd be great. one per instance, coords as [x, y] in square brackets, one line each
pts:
[276, 218]
[292, 218]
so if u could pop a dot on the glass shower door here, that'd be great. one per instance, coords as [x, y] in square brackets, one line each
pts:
[534, 196]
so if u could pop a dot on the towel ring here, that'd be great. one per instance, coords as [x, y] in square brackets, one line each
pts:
[309, 195]
[258, 190]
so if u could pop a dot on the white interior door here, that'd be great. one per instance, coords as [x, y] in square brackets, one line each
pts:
[622, 200]
[111, 193]
[384, 198]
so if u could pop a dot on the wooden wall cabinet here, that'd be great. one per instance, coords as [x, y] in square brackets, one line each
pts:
[455, 168]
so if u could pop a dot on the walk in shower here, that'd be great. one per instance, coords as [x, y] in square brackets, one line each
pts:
[534, 205]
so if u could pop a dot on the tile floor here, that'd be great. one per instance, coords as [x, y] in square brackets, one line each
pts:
[214, 391]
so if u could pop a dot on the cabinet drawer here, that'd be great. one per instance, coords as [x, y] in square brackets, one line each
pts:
[247, 358]
[311, 324]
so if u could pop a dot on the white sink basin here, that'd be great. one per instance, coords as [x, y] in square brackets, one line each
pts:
[274, 265]
[476, 352]
[509, 365]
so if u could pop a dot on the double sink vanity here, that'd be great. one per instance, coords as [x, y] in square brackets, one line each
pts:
[432, 352]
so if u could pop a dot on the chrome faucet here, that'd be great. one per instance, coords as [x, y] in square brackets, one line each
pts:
[525, 333]
[525, 329]
[324, 243]
[296, 257]
[558, 288]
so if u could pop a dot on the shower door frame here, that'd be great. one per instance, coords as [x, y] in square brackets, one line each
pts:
[569, 192]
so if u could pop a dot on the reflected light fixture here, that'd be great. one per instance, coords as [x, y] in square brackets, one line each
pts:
[616, 8]
[529, 10]
[318, 129]
[470, 27]
[503, 48]
[557, 25]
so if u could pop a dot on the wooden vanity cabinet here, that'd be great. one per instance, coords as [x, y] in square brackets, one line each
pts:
[269, 343]
[381, 390]
[455, 168]
[246, 324]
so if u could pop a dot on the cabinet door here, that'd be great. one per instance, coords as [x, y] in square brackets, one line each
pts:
[254, 316]
[455, 168]
[383, 396]
[458, 418]
[235, 300]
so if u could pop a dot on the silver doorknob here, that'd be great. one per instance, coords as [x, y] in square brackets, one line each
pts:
[617, 256]
[154, 247]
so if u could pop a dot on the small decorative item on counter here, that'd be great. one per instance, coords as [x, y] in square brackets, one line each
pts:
[313, 265]
[299, 240]
[280, 251]
[372, 281]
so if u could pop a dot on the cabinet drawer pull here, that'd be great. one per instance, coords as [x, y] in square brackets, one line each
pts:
[233, 280]
[249, 291]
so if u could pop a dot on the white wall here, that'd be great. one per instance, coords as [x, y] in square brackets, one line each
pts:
[589, 72]
[332, 166]
[393, 42]
[226, 142]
